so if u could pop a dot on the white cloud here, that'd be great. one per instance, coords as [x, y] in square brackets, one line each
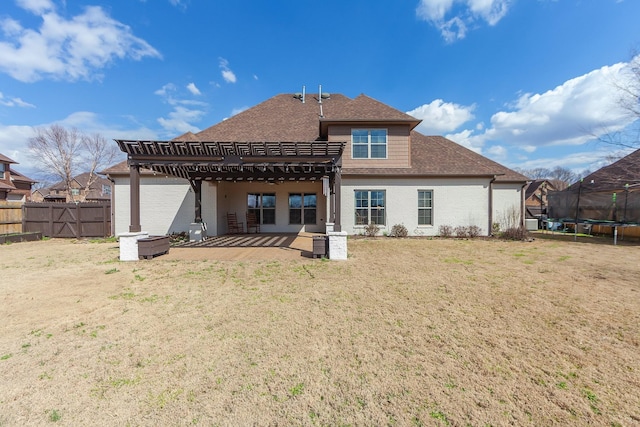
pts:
[497, 151]
[164, 90]
[13, 142]
[184, 111]
[70, 49]
[191, 87]
[179, 120]
[567, 115]
[14, 102]
[577, 161]
[439, 116]
[36, 6]
[454, 17]
[227, 74]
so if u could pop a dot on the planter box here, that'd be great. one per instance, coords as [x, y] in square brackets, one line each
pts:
[152, 246]
[22, 237]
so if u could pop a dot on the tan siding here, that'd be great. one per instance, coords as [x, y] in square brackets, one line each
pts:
[397, 147]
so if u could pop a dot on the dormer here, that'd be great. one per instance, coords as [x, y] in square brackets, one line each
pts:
[376, 134]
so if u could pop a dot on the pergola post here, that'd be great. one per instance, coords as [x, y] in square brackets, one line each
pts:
[134, 193]
[197, 189]
[337, 185]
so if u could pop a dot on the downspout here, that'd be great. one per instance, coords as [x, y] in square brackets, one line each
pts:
[523, 223]
[113, 205]
[490, 229]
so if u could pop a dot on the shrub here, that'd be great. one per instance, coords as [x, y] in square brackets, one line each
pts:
[515, 233]
[399, 230]
[445, 231]
[495, 228]
[461, 231]
[474, 231]
[371, 229]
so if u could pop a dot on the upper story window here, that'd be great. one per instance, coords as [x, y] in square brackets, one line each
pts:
[369, 143]
[106, 190]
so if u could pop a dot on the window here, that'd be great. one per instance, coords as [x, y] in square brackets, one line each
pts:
[302, 208]
[425, 207]
[106, 190]
[263, 205]
[369, 143]
[370, 207]
[75, 191]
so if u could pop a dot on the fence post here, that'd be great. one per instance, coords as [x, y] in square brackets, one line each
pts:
[78, 222]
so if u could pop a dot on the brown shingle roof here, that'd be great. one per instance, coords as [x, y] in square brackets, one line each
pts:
[17, 176]
[439, 156]
[5, 159]
[285, 118]
[612, 177]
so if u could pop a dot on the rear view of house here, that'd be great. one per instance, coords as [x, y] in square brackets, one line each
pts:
[297, 162]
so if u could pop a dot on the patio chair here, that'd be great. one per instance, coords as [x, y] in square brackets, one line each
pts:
[252, 222]
[233, 225]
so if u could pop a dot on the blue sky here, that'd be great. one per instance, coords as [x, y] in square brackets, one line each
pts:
[524, 82]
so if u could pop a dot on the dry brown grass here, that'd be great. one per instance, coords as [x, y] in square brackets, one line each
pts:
[405, 332]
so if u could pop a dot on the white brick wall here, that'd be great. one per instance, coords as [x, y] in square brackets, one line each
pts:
[456, 202]
[167, 203]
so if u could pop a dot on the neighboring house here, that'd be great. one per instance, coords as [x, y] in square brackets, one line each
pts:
[536, 198]
[611, 193]
[98, 191]
[14, 187]
[301, 161]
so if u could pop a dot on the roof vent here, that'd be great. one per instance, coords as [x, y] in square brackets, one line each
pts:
[299, 95]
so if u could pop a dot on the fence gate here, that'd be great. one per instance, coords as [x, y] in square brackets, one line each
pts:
[67, 219]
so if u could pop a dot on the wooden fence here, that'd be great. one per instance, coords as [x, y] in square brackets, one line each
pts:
[67, 219]
[10, 217]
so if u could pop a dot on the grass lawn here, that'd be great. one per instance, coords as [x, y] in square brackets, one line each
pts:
[406, 332]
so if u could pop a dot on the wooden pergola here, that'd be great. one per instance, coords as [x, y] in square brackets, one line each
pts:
[198, 161]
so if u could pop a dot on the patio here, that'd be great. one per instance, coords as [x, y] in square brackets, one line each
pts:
[232, 247]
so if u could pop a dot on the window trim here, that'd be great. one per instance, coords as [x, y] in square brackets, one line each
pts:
[369, 144]
[420, 208]
[369, 207]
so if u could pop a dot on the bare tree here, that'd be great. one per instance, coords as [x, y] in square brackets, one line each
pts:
[98, 153]
[560, 177]
[62, 153]
[628, 88]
